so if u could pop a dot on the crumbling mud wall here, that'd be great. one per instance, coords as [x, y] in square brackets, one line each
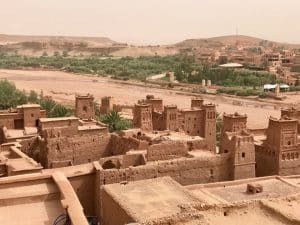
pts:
[186, 171]
[167, 150]
[73, 150]
[122, 144]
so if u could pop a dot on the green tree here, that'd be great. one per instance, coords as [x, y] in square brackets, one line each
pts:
[65, 54]
[115, 122]
[10, 96]
[33, 97]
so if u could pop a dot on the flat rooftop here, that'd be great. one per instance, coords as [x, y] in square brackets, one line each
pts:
[150, 199]
[45, 120]
[227, 192]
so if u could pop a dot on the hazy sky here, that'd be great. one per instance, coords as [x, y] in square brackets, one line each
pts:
[153, 21]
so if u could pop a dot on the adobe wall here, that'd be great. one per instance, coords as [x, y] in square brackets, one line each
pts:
[84, 107]
[61, 122]
[77, 149]
[31, 116]
[244, 160]
[167, 150]
[192, 122]
[266, 162]
[185, 171]
[113, 213]
[289, 166]
[122, 144]
[84, 186]
[7, 120]
[158, 121]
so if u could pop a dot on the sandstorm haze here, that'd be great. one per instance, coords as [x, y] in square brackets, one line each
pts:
[152, 22]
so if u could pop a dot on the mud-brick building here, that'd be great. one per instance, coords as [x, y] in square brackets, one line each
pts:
[278, 153]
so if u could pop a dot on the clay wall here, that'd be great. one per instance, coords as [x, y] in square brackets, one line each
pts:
[122, 144]
[156, 103]
[186, 171]
[77, 149]
[142, 117]
[266, 162]
[209, 124]
[197, 102]
[289, 163]
[167, 150]
[31, 116]
[84, 107]
[158, 121]
[244, 157]
[192, 121]
[7, 120]
[111, 212]
[234, 123]
[84, 186]
[107, 105]
[61, 122]
[170, 118]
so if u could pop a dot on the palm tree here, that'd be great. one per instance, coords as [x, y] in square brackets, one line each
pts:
[115, 122]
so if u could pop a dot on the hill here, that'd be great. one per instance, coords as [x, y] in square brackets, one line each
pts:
[230, 40]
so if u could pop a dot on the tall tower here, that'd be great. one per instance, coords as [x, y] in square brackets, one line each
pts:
[209, 126]
[170, 117]
[197, 102]
[142, 116]
[282, 147]
[231, 123]
[243, 154]
[107, 104]
[84, 107]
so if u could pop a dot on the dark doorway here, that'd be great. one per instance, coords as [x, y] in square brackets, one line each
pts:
[19, 124]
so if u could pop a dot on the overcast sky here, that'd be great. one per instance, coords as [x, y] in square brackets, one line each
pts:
[153, 21]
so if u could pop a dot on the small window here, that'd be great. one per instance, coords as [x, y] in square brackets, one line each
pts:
[84, 108]
[32, 115]
[289, 143]
[243, 154]
[225, 151]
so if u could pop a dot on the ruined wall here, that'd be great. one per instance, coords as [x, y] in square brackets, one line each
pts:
[77, 149]
[31, 148]
[120, 145]
[167, 150]
[186, 171]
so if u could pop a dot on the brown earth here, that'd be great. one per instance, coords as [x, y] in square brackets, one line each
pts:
[63, 87]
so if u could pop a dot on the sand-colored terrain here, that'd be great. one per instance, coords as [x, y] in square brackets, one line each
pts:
[63, 87]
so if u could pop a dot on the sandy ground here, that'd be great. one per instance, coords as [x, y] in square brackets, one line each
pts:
[63, 87]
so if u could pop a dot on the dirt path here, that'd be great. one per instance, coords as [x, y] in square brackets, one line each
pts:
[63, 87]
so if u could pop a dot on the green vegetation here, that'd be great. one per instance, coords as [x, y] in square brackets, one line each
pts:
[238, 91]
[11, 97]
[189, 72]
[114, 121]
[119, 68]
[54, 109]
